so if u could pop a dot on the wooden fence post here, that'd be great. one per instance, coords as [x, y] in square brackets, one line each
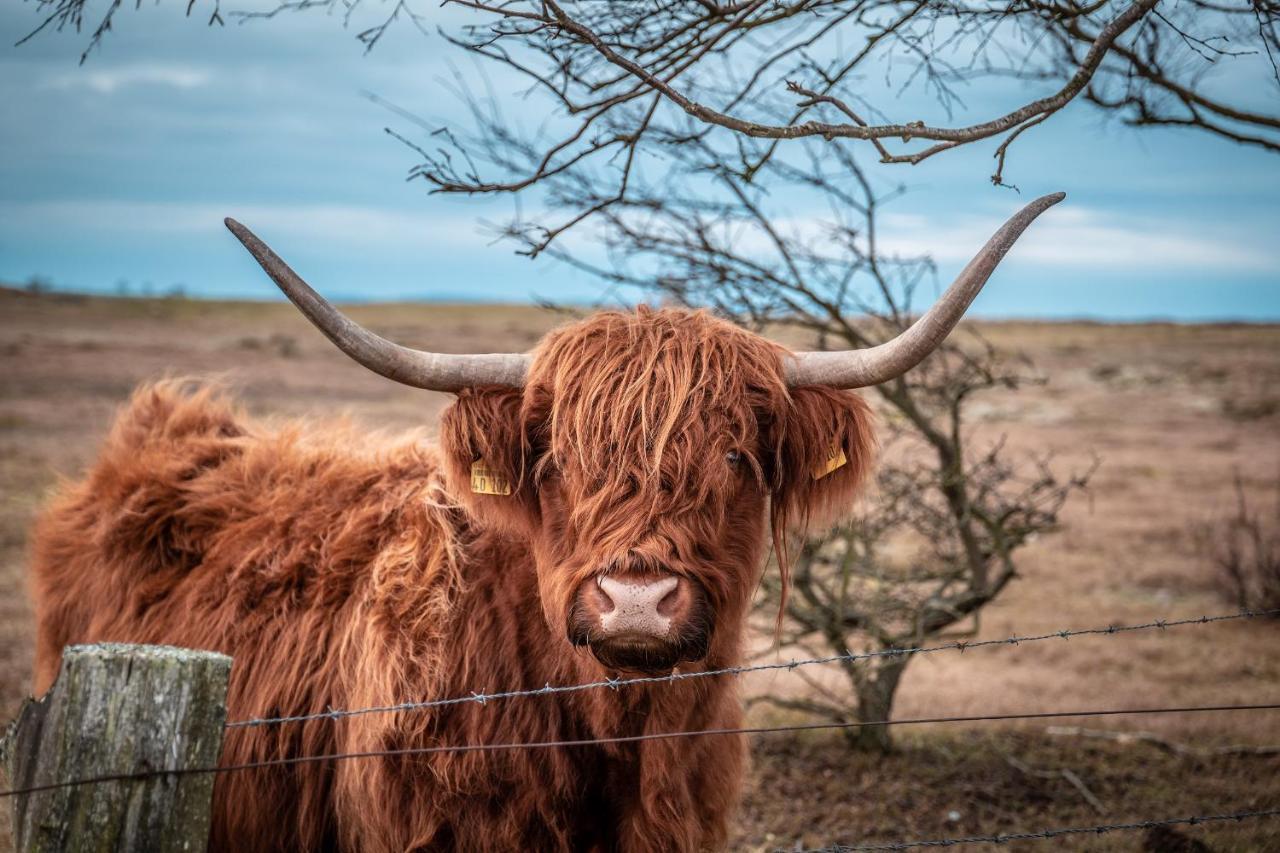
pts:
[119, 709]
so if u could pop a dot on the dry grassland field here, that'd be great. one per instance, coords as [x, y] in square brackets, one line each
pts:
[1173, 412]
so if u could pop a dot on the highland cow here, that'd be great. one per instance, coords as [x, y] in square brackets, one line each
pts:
[598, 509]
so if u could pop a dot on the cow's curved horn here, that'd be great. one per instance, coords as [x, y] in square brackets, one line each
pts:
[871, 366]
[431, 370]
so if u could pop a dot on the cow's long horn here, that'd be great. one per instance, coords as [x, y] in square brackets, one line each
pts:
[431, 370]
[871, 366]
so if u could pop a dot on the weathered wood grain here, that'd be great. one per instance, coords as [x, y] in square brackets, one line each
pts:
[119, 709]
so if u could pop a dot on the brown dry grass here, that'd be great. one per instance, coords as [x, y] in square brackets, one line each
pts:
[1172, 411]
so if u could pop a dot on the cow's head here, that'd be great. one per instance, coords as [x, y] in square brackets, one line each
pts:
[644, 455]
[647, 456]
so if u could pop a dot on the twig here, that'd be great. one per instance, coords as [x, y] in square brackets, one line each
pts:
[1173, 747]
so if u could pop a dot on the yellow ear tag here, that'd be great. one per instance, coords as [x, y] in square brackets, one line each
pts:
[488, 481]
[835, 461]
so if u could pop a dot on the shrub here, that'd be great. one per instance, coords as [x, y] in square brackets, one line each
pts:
[1245, 549]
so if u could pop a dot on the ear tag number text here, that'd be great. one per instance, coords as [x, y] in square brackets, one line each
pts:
[488, 481]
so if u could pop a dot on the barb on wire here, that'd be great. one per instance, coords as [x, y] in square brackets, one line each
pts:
[1101, 829]
[549, 744]
[615, 683]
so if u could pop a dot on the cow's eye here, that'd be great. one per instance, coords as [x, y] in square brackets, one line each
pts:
[733, 457]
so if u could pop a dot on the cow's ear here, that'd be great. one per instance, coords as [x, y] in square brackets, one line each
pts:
[824, 450]
[485, 450]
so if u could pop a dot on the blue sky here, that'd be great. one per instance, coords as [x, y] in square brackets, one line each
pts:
[122, 169]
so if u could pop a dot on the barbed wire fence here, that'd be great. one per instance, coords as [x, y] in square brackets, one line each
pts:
[792, 664]
[552, 744]
[1156, 625]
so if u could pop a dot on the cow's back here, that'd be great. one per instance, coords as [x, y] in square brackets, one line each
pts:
[285, 549]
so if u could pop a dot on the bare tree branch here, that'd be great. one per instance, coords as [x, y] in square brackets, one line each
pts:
[626, 83]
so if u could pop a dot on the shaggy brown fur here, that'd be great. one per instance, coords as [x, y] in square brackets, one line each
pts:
[343, 572]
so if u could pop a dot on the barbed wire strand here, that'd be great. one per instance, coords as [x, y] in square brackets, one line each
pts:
[750, 730]
[615, 683]
[1100, 829]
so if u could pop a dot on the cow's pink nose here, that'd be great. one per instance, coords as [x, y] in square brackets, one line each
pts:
[641, 621]
[633, 605]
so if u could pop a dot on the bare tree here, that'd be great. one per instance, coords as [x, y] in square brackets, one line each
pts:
[629, 80]
[938, 540]
[594, 57]
[926, 554]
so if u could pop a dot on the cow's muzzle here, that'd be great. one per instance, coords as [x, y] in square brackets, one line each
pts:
[641, 621]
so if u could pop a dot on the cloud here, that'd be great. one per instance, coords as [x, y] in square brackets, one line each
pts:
[1085, 237]
[1063, 237]
[108, 81]
[1072, 238]
[348, 226]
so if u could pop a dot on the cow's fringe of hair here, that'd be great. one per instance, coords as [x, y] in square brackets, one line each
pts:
[641, 410]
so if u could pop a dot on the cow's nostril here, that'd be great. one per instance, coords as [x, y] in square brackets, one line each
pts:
[604, 604]
[671, 602]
